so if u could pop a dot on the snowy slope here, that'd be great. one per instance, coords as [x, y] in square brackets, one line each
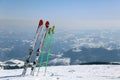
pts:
[79, 72]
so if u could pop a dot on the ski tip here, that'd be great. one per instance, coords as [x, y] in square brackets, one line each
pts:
[40, 22]
[47, 24]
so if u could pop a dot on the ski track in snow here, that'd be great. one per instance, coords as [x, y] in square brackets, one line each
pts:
[75, 72]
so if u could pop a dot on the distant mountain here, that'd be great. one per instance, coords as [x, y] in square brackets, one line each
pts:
[92, 55]
[69, 47]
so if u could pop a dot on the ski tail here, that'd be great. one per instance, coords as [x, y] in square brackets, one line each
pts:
[52, 31]
[39, 49]
[39, 25]
[27, 62]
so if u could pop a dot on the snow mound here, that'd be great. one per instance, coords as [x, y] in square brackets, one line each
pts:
[14, 61]
[12, 64]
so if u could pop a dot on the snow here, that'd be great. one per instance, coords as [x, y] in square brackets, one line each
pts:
[76, 72]
[14, 62]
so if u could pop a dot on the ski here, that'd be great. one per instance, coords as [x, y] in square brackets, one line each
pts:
[43, 52]
[49, 51]
[39, 49]
[27, 62]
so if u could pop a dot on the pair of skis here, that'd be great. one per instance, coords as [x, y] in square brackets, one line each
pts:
[39, 50]
[49, 37]
[27, 62]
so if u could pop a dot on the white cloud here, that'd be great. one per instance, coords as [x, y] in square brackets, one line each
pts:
[87, 24]
[61, 60]
[26, 41]
[77, 49]
[62, 24]
[6, 49]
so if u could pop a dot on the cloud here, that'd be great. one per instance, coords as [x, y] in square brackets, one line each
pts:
[6, 49]
[63, 24]
[86, 24]
[61, 61]
[26, 41]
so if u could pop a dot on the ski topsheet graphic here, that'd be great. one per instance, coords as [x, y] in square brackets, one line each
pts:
[47, 34]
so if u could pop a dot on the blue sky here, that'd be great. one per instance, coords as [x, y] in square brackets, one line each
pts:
[62, 13]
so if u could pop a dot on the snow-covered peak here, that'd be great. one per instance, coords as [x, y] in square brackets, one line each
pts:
[14, 61]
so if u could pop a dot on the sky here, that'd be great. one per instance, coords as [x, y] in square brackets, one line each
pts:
[61, 13]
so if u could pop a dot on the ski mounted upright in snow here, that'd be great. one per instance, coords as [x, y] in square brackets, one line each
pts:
[39, 50]
[27, 62]
[48, 42]
[43, 52]
[47, 34]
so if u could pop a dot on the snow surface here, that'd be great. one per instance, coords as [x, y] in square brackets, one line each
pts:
[76, 72]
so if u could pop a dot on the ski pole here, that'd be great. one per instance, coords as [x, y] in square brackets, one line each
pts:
[41, 59]
[51, 37]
